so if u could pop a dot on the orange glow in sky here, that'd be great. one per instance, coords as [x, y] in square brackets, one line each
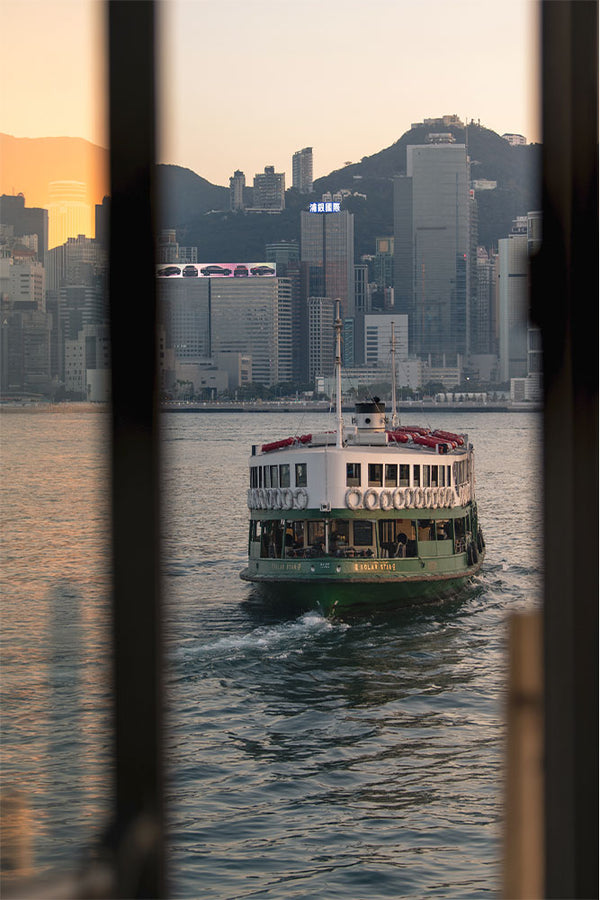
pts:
[245, 84]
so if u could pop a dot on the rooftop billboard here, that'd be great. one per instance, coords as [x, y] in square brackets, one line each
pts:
[217, 270]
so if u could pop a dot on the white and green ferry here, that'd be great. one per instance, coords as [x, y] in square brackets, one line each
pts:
[373, 510]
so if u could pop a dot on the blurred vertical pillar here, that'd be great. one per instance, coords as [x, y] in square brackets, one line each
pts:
[138, 833]
[565, 304]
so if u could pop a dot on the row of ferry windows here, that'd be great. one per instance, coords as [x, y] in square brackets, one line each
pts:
[378, 475]
[278, 476]
[392, 475]
[358, 537]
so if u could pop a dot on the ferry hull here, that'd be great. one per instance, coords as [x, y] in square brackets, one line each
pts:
[359, 584]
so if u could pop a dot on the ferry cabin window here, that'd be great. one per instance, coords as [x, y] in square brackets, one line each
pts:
[449, 476]
[274, 477]
[426, 476]
[363, 533]
[301, 480]
[391, 475]
[416, 476]
[316, 536]
[397, 538]
[260, 476]
[254, 477]
[426, 529]
[339, 535]
[404, 475]
[434, 476]
[444, 529]
[271, 539]
[375, 474]
[267, 476]
[353, 474]
[460, 535]
[295, 539]
[284, 475]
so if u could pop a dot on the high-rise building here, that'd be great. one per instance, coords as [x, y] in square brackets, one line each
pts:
[237, 184]
[101, 217]
[513, 302]
[432, 246]
[184, 312]
[327, 247]
[321, 344]
[302, 170]
[269, 190]
[483, 318]
[25, 221]
[244, 318]
[285, 344]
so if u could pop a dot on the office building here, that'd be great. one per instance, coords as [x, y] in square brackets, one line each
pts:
[302, 170]
[383, 262]
[513, 302]
[327, 249]
[321, 338]
[432, 246]
[184, 313]
[285, 345]
[25, 221]
[269, 190]
[244, 318]
[378, 339]
[87, 363]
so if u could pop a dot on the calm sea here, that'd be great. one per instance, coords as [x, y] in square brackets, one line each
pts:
[308, 758]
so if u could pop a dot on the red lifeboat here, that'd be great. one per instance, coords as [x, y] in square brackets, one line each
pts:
[398, 437]
[456, 439]
[286, 442]
[429, 441]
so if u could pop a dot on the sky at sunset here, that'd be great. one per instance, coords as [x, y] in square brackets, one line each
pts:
[245, 84]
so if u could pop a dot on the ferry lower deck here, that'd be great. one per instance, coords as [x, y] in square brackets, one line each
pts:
[407, 549]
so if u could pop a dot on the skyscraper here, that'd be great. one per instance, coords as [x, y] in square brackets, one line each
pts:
[432, 245]
[321, 357]
[237, 183]
[302, 170]
[327, 247]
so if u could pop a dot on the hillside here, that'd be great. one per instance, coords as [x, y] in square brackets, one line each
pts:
[232, 236]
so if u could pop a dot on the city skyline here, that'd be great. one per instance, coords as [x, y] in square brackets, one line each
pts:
[220, 111]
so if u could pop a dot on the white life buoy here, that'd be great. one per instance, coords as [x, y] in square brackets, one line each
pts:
[427, 498]
[301, 498]
[353, 498]
[370, 499]
[287, 498]
[409, 497]
[399, 498]
[386, 499]
[277, 501]
[419, 497]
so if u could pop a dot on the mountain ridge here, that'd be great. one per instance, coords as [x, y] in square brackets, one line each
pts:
[198, 209]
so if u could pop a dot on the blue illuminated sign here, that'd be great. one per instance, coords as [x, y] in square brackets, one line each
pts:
[325, 206]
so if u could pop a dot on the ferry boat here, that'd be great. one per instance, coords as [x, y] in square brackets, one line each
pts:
[373, 511]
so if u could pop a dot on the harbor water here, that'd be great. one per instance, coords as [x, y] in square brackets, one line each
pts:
[308, 757]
